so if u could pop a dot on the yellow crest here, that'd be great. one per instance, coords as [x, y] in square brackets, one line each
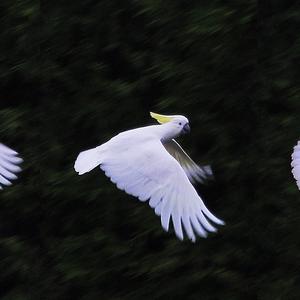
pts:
[161, 118]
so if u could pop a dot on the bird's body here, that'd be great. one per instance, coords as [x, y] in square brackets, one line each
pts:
[138, 162]
[296, 163]
[9, 161]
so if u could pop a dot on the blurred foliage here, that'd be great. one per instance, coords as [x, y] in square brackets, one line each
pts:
[74, 73]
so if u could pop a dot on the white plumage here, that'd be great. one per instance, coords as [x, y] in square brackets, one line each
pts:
[141, 163]
[296, 163]
[9, 161]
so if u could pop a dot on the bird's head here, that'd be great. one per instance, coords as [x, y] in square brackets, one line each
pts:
[179, 124]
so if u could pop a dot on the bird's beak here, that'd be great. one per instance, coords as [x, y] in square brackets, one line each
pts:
[161, 118]
[186, 128]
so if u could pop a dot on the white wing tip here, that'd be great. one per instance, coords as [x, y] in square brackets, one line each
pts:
[86, 161]
[179, 237]
[221, 222]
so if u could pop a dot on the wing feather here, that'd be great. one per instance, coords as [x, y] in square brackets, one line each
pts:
[187, 225]
[192, 170]
[167, 208]
[176, 218]
[9, 161]
[148, 171]
[296, 163]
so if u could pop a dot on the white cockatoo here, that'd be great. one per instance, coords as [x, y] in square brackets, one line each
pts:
[296, 163]
[9, 161]
[149, 164]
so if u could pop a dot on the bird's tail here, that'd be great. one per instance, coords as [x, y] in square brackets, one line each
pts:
[87, 160]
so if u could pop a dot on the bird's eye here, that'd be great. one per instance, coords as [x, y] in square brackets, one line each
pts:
[180, 123]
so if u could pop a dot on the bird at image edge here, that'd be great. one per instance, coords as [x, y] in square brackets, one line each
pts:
[9, 161]
[296, 163]
[149, 164]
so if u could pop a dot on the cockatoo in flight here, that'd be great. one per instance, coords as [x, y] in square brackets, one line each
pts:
[149, 164]
[9, 161]
[296, 163]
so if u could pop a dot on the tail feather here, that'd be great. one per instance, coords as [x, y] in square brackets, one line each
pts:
[87, 161]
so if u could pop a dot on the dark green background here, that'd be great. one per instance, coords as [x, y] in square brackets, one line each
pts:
[74, 73]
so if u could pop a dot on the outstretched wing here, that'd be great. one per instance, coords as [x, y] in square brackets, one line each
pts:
[296, 163]
[9, 161]
[191, 169]
[149, 172]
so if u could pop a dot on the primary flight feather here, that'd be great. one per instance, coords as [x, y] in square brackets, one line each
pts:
[296, 163]
[149, 164]
[9, 161]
